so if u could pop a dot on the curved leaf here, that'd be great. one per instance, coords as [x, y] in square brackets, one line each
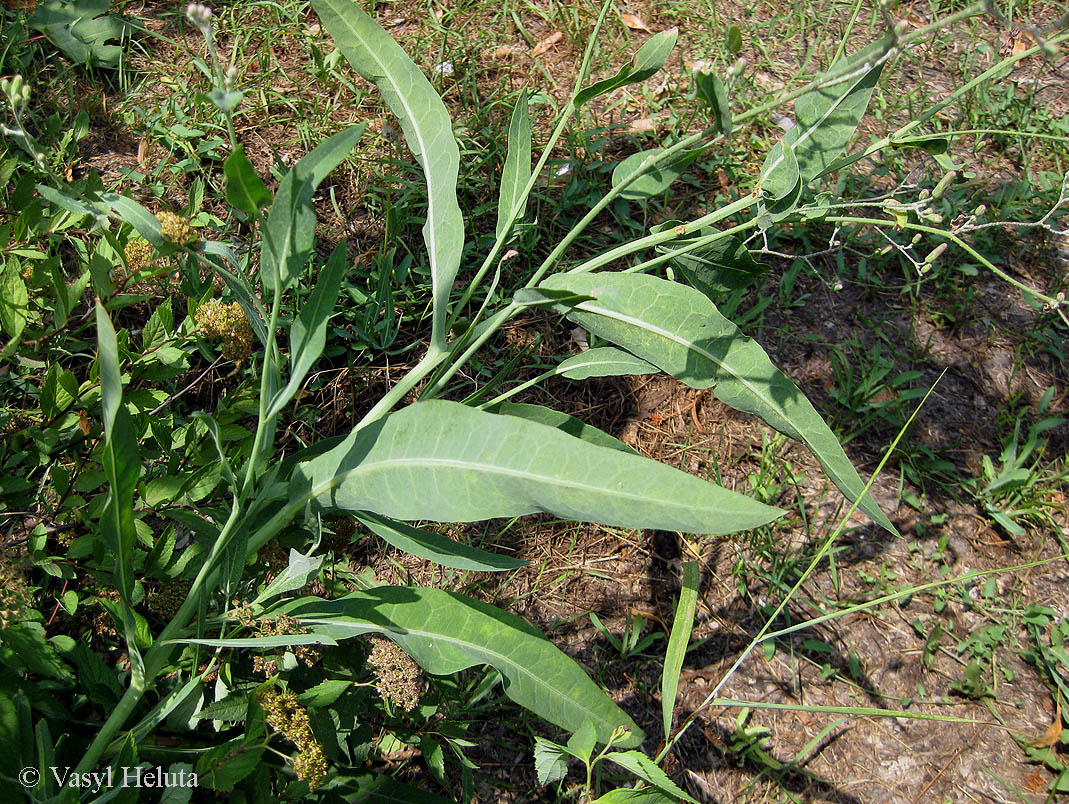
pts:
[655, 180]
[445, 462]
[289, 236]
[647, 60]
[427, 128]
[679, 329]
[446, 632]
[604, 361]
[779, 174]
[244, 187]
[436, 547]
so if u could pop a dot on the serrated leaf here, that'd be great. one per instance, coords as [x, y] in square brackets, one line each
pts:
[517, 170]
[436, 547]
[289, 236]
[446, 632]
[680, 330]
[244, 187]
[469, 465]
[647, 61]
[428, 131]
[551, 761]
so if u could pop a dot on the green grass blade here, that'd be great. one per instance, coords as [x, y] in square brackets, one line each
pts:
[470, 465]
[682, 624]
[517, 170]
[679, 330]
[446, 632]
[289, 236]
[428, 131]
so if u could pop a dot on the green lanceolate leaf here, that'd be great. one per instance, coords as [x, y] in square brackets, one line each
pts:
[428, 131]
[517, 170]
[682, 624]
[680, 330]
[470, 465]
[604, 361]
[14, 300]
[122, 467]
[436, 547]
[647, 60]
[244, 188]
[446, 632]
[290, 233]
[654, 180]
[562, 421]
[827, 118]
[136, 216]
[308, 333]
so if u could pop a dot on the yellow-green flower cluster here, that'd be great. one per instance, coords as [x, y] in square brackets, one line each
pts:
[398, 677]
[14, 597]
[290, 719]
[175, 228]
[229, 323]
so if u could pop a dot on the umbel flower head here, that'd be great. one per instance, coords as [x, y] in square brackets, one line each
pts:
[229, 323]
[290, 719]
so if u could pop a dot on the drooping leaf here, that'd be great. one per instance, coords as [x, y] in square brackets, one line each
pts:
[655, 180]
[680, 330]
[779, 175]
[244, 187]
[82, 29]
[682, 623]
[308, 333]
[290, 232]
[647, 60]
[468, 465]
[562, 421]
[828, 117]
[446, 632]
[710, 90]
[604, 361]
[715, 268]
[517, 170]
[436, 547]
[428, 131]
